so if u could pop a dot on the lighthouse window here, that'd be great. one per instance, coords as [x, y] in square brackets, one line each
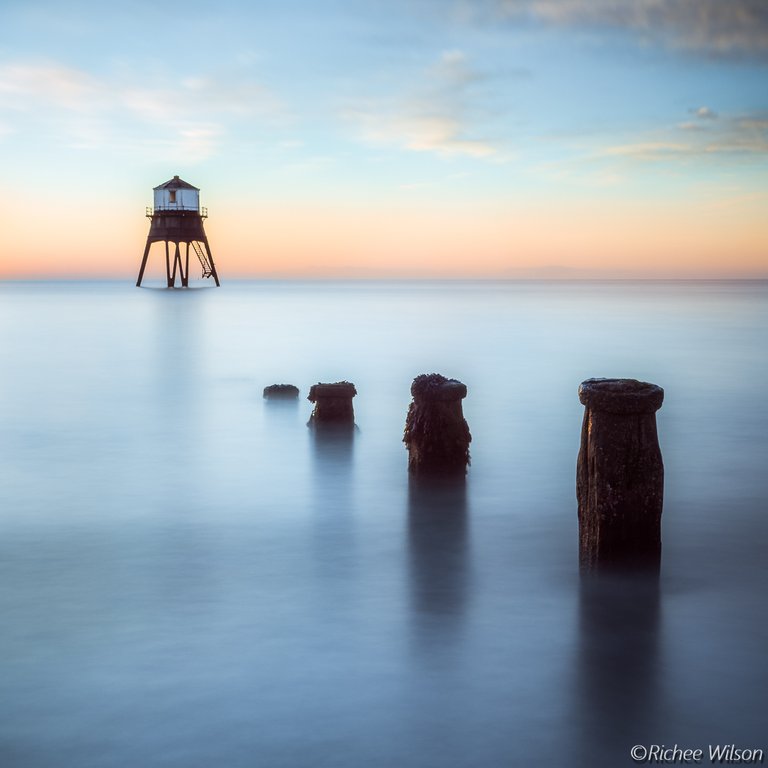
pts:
[172, 195]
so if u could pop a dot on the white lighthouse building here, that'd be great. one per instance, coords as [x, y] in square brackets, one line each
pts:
[177, 218]
[177, 195]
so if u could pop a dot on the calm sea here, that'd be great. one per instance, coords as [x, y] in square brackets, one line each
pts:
[188, 579]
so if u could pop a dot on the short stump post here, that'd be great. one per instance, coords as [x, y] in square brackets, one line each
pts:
[620, 476]
[436, 433]
[281, 392]
[333, 403]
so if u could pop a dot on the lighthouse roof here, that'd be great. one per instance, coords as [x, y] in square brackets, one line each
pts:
[176, 183]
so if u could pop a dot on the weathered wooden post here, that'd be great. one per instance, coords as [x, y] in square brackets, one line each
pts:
[620, 476]
[333, 403]
[436, 433]
[281, 392]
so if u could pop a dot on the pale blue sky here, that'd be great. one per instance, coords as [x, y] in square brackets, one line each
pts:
[489, 101]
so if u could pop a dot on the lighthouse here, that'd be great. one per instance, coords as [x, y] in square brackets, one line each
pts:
[177, 219]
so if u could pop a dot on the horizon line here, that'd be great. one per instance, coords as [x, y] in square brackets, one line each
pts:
[414, 279]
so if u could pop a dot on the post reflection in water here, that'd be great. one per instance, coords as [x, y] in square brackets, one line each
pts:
[438, 557]
[281, 413]
[617, 668]
[332, 448]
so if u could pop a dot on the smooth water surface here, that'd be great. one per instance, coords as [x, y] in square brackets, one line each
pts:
[188, 577]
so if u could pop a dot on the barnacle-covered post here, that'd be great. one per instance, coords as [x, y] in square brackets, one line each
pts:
[333, 403]
[436, 433]
[620, 476]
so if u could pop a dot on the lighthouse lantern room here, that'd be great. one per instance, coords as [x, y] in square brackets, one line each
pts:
[177, 195]
[178, 219]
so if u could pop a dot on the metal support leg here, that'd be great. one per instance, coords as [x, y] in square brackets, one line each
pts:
[210, 261]
[168, 277]
[177, 265]
[185, 273]
[143, 264]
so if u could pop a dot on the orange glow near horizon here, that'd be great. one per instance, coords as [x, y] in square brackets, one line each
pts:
[306, 240]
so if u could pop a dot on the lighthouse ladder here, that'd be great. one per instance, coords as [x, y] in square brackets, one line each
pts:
[203, 257]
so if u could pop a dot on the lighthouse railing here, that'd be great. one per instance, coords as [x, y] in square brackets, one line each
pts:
[179, 208]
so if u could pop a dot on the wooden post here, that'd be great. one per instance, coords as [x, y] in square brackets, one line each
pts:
[436, 433]
[620, 476]
[333, 403]
[281, 392]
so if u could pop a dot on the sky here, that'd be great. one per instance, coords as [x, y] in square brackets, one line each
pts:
[390, 138]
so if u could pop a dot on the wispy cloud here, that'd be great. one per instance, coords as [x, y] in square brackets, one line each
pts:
[734, 135]
[188, 117]
[705, 113]
[23, 84]
[648, 150]
[722, 28]
[443, 135]
[438, 115]
[703, 117]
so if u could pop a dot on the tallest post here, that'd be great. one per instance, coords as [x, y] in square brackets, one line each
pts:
[620, 476]
[177, 219]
